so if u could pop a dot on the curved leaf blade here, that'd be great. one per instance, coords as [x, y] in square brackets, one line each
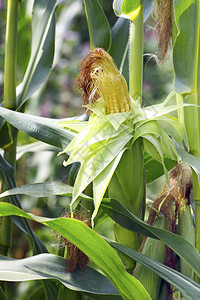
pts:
[188, 288]
[42, 52]
[2, 295]
[48, 266]
[129, 221]
[154, 169]
[98, 26]
[42, 49]
[93, 246]
[9, 179]
[44, 189]
[43, 129]
[120, 36]
[192, 160]
[34, 147]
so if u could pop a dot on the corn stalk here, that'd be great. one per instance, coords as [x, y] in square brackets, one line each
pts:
[129, 175]
[9, 102]
[186, 64]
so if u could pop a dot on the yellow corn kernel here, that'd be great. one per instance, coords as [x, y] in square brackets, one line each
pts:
[99, 77]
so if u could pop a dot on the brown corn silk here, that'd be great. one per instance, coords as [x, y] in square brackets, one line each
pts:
[100, 78]
[75, 257]
[163, 25]
[170, 203]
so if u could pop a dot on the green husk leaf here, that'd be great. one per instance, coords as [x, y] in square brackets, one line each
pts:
[101, 182]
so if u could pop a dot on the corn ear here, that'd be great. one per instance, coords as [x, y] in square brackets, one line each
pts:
[186, 230]
[127, 187]
[127, 238]
[156, 250]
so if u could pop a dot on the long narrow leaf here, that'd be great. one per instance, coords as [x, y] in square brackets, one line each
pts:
[122, 216]
[43, 129]
[188, 288]
[93, 246]
[35, 147]
[9, 178]
[120, 36]
[42, 49]
[98, 25]
[44, 189]
[48, 266]
[129, 221]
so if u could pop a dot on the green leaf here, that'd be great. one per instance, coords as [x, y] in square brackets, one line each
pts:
[48, 266]
[34, 147]
[95, 147]
[43, 129]
[192, 160]
[6, 136]
[92, 166]
[2, 295]
[186, 47]
[98, 26]
[44, 189]
[42, 49]
[120, 36]
[188, 288]
[148, 8]
[64, 23]
[153, 148]
[174, 129]
[152, 128]
[154, 169]
[101, 182]
[93, 246]
[126, 8]
[9, 178]
[129, 221]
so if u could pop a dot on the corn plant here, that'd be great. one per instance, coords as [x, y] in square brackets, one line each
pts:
[114, 153]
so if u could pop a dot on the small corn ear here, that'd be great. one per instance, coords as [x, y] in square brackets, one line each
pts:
[156, 250]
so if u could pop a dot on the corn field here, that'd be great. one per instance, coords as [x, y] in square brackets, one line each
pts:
[92, 229]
